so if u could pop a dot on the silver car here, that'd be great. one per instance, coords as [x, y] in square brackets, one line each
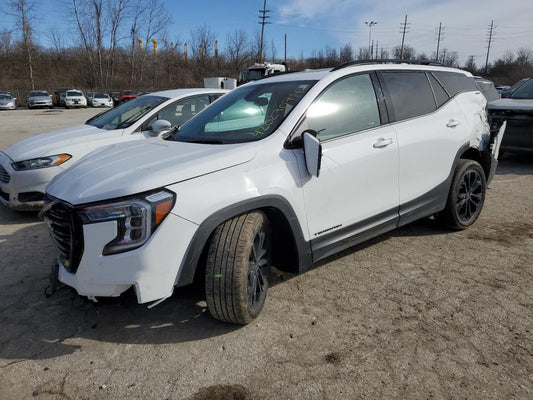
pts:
[39, 98]
[7, 101]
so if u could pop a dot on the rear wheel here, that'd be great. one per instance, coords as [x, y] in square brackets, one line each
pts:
[237, 268]
[466, 197]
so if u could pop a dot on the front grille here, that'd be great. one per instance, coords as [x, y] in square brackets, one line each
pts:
[27, 197]
[67, 234]
[4, 195]
[4, 176]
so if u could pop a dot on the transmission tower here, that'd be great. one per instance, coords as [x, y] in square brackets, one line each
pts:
[489, 40]
[263, 17]
[440, 36]
[405, 28]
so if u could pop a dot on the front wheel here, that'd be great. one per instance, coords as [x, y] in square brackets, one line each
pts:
[466, 197]
[238, 267]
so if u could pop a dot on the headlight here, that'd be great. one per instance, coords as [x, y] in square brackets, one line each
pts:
[137, 218]
[42, 162]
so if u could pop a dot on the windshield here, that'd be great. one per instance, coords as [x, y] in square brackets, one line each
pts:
[5, 97]
[101, 96]
[255, 74]
[246, 114]
[525, 91]
[39, 94]
[74, 93]
[127, 113]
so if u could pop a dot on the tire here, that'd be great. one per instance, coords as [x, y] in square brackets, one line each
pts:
[466, 197]
[237, 268]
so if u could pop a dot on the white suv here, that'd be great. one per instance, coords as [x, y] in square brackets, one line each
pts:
[286, 171]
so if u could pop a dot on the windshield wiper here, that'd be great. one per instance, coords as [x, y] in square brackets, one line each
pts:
[204, 141]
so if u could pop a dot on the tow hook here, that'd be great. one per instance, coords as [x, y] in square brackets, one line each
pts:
[54, 284]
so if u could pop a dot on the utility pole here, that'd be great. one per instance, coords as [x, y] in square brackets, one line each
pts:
[439, 38]
[370, 25]
[285, 58]
[263, 21]
[405, 28]
[491, 33]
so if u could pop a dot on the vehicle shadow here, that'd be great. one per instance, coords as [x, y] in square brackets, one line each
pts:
[515, 164]
[38, 327]
[12, 217]
[35, 326]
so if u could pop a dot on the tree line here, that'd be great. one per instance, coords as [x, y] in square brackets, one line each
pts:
[125, 44]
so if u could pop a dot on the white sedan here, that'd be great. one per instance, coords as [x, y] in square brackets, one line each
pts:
[28, 166]
[101, 100]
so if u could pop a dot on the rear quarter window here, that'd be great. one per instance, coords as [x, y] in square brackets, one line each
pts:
[455, 82]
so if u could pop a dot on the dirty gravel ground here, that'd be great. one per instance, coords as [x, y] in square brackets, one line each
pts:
[418, 313]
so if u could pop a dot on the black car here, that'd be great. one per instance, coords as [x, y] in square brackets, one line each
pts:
[517, 110]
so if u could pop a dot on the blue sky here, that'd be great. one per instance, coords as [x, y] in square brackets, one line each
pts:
[311, 25]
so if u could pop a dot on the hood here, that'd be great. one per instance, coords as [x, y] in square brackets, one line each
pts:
[129, 168]
[39, 98]
[78, 139]
[512, 104]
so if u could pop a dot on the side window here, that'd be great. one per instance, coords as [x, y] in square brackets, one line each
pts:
[410, 94]
[440, 94]
[347, 106]
[455, 82]
[180, 111]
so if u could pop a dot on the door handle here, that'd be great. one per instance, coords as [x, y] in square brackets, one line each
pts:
[453, 123]
[382, 142]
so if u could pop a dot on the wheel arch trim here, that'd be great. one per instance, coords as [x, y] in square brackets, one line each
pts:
[196, 247]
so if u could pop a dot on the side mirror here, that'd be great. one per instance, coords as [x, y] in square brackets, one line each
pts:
[161, 126]
[312, 152]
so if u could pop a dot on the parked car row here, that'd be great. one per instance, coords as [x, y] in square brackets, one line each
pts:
[68, 98]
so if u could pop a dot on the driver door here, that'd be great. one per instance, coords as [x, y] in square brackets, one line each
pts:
[357, 189]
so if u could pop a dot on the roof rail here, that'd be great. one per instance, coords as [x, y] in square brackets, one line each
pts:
[388, 61]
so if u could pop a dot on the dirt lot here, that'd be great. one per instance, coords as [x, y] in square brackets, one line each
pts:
[419, 313]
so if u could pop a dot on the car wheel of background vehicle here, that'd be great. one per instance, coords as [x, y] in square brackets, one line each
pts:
[237, 268]
[466, 197]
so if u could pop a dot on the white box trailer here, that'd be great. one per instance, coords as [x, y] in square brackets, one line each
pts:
[220, 83]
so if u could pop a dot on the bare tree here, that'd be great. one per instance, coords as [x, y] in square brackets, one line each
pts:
[6, 42]
[56, 38]
[202, 38]
[116, 11]
[238, 50]
[81, 12]
[346, 53]
[406, 52]
[137, 11]
[22, 10]
[150, 19]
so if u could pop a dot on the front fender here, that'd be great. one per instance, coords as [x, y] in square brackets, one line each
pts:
[206, 228]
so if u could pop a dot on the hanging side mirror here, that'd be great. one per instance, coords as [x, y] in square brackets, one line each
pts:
[312, 152]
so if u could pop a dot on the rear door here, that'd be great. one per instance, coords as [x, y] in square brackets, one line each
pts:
[430, 129]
